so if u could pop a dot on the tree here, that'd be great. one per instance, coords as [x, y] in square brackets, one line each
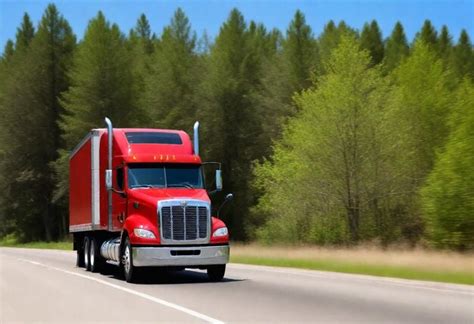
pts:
[285, 71]
[319, 184]
[371, 40]
[31, 128]
[300, 52]
[420, 105]
[330, 37]
[447, 197]
[101, 85]
[463, 56]
[396, 47]
[428, 35]
[24, 33]
[170, 96]
[445, 45]
[230, 120]
[141, 48]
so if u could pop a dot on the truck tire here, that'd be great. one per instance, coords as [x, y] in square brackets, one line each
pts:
[80, 258]
[129, 271]
[216, 272]
[87, 253]
[95, 259]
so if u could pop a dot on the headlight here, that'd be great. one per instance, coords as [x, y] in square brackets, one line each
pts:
[140, 232]
[220, 232]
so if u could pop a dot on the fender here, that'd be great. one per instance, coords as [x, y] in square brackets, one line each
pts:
[139, 221]
[216, 224]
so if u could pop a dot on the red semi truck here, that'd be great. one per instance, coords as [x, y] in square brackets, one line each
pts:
[138, 199]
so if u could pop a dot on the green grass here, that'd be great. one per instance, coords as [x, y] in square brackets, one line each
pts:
[10, 241]
[361, 268]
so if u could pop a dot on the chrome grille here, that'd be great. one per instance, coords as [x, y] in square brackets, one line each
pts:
[184, 221]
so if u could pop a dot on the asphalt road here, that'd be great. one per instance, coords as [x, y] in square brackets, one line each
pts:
[45, 286]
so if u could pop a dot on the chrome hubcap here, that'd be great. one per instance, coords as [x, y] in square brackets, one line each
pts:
[126, 259]
[86, 254]
[92, 253]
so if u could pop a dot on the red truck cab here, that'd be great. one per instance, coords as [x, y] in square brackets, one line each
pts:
[138, 199]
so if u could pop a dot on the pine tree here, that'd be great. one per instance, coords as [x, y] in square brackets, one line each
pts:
[8, 50]
[31, 125]
[101, 85]
[447, 197]
[371, 40]
[463, 56]
[24, 33]
[445, 45]
[300, 52]
[141, 48]
[396, 47]
[428, 35]
[170, 96]
[285, 72]
[230, 120]
[330, 38]
[142, 33]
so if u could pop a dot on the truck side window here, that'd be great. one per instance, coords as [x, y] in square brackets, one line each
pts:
[120, 178]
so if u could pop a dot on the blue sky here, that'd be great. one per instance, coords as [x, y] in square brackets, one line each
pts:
[208, 15]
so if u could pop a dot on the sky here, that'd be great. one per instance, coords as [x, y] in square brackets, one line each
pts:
[208, 15]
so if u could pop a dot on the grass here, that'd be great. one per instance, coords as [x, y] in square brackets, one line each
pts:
[426, 265]
[10, 241]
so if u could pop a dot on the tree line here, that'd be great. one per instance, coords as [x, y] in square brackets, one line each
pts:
[337, 138]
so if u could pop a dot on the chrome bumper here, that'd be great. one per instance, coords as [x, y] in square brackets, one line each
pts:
[180, 256]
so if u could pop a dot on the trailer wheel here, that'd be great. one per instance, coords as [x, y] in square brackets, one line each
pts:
[216, 272]
[96, 260]
[87, 251]
[80, 258]
[129, 270]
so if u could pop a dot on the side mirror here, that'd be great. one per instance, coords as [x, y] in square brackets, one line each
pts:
[108, 179]
[218, 180]
[228, 198]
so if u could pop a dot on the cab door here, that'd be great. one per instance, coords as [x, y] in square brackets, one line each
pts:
[119, 199]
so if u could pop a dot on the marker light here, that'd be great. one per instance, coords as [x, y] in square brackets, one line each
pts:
[140, 232]
[220, 232]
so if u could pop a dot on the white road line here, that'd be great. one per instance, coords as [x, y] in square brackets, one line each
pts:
[133, 292]
[416, 284]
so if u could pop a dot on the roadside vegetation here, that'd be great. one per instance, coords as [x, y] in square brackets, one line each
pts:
[338, 139]
[417, 264]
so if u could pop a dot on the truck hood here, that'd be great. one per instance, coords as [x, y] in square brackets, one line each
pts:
[154, 195]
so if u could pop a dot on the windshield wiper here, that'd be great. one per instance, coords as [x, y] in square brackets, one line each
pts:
[186, 185]
[142, 186]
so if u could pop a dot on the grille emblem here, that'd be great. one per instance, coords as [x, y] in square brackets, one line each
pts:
[184, 203]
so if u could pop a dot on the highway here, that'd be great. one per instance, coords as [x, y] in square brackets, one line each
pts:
[45, 286]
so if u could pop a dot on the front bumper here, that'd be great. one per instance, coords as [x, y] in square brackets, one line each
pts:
[180, 256]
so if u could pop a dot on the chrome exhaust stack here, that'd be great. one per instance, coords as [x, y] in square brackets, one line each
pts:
[196, 138]
[108, 172]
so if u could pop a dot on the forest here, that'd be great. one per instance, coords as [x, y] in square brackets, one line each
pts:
[336, 139]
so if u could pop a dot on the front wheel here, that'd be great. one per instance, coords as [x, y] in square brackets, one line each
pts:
[216, 272]
[129, 270]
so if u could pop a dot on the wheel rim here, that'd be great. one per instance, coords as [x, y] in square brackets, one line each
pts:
[92, 253]
[126, 257]
[86, 254]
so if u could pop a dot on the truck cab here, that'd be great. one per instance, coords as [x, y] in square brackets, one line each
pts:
[138, 199]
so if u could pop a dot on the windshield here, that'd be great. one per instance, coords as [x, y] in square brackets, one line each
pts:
[154, 175]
